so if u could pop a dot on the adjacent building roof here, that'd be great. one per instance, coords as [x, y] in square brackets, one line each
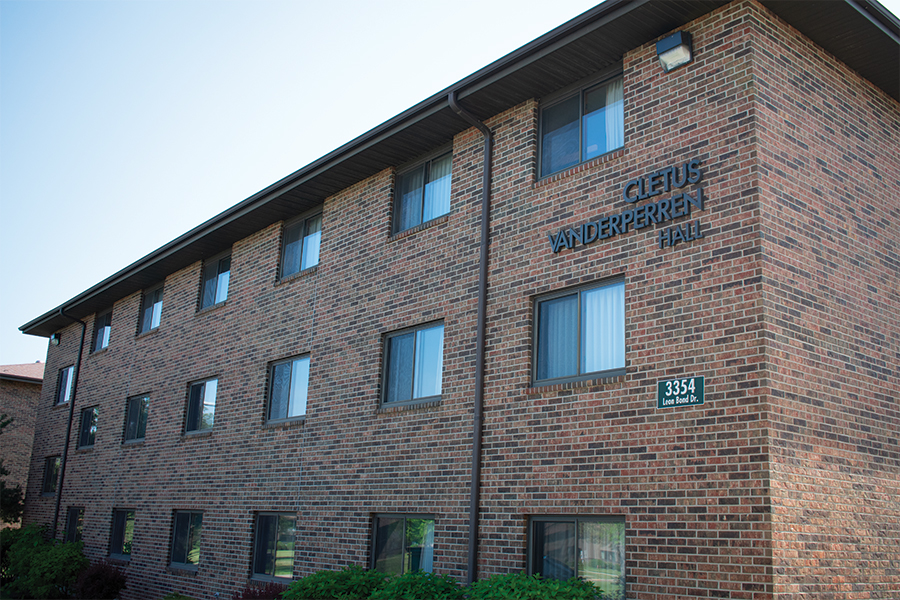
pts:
[29, 372]
[860, 33]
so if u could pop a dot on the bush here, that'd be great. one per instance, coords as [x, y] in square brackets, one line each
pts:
[418, 585]
[519, 586]
[269, 591]
[39, 567]
[175, 596]
[102, 581]
[350, 583]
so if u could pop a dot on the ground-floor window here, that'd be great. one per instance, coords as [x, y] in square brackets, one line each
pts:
[187, 528]
[74, 523]
[273, 554]
[589, 547]
[122, 534]
[403, 544]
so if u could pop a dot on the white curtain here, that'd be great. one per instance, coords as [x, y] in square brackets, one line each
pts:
[299, 386]
[437, 191]
[615, 115]
[603, 328]
[428, 549]
[429, 362]
[312, 242]
[558, 343]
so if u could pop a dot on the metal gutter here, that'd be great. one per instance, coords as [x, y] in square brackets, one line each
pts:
[65, 454]
[477, 413]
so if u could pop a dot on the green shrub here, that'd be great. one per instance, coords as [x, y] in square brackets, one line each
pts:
[419, 585]
[39, 567]
[350, 583]
[519, 586]
[175, 596]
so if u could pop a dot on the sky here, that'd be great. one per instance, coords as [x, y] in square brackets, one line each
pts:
[126, 123]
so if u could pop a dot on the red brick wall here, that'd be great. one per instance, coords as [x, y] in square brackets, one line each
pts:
[18, 400]
[691, 483]
[830, 177]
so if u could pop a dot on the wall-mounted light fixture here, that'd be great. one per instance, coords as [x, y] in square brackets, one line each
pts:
[674, 50]
[54, 339]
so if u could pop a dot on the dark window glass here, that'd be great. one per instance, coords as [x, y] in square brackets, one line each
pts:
[64, 384]
[590, 548]
[51, 474]
[273, 554]
[74, 523]
[415, 362]
[201, 405]
[102, 327]
[403, 544]
[289, 388]
[423, 193]
[301, 245]
[186, 538]
[122, 534]
[136, 418]
[582, 126]
[151, 309]
[216, 274]
[580, 334]
[88, 430]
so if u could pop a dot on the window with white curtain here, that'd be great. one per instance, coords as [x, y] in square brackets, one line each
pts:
[216, 276]
[414, 364]
[582, 126]
[403, 544]
[580, 334]
[201, 406]
[288, 388]
[102, 328]
[300, 248]
[592, 548]
[422, 193]
[151, 309]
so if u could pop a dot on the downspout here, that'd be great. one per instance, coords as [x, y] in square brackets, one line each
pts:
[475, 490]
[65, 454]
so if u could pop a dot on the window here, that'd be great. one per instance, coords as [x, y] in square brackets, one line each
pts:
[588, 547]
[102, 327]
[301, 245]
[151, 309]
[414, 365]
[423, 193]
[51, 474]
[288, 388]
[186, 539]
[201, 405]
[216, 273]
[122, 534]
[582, 126]
[88, 431]
[403, 544]
[581, 334]
[136, 418]
[64, 384]
[74, 523]
[273, 554]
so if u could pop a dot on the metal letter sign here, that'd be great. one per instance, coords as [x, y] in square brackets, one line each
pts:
[679, 392]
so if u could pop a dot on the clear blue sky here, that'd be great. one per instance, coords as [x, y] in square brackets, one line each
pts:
[123, 124]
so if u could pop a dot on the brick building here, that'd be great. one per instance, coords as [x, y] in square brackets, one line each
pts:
[20, 393]
[662, 352]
